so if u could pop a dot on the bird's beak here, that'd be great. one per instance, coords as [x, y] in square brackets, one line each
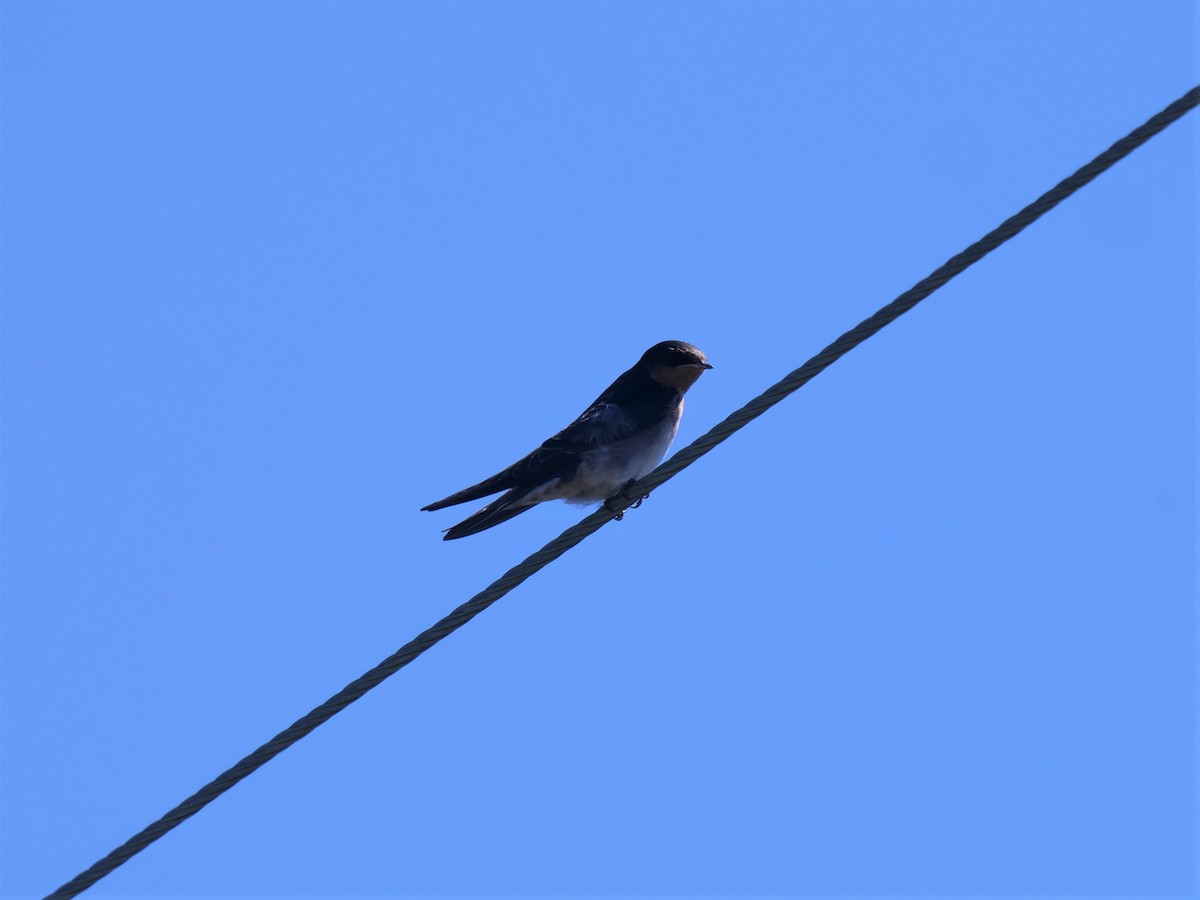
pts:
[708, 365]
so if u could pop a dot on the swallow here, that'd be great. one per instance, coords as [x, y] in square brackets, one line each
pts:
[622, 436]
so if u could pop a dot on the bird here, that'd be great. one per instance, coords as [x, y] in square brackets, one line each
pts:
[622, 436]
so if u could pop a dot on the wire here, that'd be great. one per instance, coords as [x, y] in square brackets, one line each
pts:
[616, 506]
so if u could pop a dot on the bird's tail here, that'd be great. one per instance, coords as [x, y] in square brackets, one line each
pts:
[499, 510]
[499, 482]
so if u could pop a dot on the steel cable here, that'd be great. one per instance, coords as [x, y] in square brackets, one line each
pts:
[615, 507]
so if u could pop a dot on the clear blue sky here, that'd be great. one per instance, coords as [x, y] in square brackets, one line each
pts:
[275, 275]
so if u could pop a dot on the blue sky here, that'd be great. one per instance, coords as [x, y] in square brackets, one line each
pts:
[275, 275]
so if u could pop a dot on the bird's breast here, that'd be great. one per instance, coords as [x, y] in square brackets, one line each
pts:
[604, 470]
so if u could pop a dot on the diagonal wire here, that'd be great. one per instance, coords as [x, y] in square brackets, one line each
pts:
[615, 507]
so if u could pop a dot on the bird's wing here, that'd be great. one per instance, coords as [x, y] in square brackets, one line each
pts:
[602, 422]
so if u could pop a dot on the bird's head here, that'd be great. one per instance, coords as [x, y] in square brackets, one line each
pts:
[675, 364]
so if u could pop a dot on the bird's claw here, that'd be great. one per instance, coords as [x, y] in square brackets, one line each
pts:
[634, 505]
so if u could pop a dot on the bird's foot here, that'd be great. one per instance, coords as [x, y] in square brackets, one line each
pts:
[620, 513]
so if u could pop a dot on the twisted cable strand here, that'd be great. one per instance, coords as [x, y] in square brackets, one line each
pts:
[613, 508]
[914, 295]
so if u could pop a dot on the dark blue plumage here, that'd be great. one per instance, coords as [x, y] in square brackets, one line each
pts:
[622, 436]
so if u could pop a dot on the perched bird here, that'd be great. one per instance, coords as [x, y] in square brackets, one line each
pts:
[618, 439]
